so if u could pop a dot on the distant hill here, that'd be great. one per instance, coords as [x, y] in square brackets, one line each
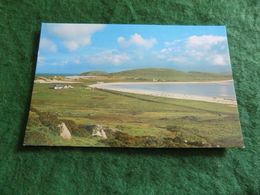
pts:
[160, 74]
[164, 74]
[94, 73]
[151, 73]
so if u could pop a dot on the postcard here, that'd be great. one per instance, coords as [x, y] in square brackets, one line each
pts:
[120, 85]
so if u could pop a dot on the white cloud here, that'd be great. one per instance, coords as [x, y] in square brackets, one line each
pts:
[220, 60]
[204, 41]
[41, 60]
[77, 61]
[108, 57]
[137, 40]
[197, 50]
[71, 45]
[48, 45]
[178, 60]
[166, 50]
[172, 43]
[75, 35]
[59, 63]
[208, 48]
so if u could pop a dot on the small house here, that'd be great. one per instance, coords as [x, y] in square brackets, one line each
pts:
[61, 86]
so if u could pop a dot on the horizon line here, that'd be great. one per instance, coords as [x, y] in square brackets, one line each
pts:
[189, 71]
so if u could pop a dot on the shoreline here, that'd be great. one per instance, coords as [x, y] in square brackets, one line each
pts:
[105, 86]
[165, 82]
[54, 81]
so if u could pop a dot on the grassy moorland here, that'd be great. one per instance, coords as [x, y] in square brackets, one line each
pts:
[159, 74]
[131, 120]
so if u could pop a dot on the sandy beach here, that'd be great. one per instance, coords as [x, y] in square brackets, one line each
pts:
[171, 82]
[54, 81]
[107, 86]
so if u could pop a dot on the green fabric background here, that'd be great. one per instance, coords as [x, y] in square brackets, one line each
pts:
[60, 170]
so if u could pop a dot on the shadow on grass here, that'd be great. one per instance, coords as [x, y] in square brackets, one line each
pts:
[175, 152]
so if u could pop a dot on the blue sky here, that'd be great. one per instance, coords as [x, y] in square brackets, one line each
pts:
[76, 48]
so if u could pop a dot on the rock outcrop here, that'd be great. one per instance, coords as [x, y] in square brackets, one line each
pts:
[98, 130]
[64, 131]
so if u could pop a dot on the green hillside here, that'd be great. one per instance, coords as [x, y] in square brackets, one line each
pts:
[94, 73]
[163, 74]
[158, 74]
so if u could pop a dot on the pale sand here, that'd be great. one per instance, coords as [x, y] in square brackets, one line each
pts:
[173, 82]
[53, 81]
[165, 94]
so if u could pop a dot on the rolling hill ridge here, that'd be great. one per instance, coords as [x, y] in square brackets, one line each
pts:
[161, 74]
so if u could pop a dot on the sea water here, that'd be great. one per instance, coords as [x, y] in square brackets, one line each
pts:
[222, 89]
